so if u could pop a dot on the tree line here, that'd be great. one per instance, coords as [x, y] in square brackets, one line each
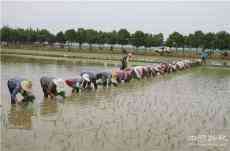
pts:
[198, 39]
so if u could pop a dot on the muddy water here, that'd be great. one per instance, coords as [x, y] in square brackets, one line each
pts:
[188, 110]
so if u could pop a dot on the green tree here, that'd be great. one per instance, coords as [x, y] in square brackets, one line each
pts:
[137, 39]
[123, 37]
[70, 35]
[175, 40]
[90, 37]
[111, 38]
[158, 39]
[148, 40]
[185, 42]
[198, 39]
[101, 38]
[81, 36]
[44, 35]
[60, 37]
[222, 40]
[31, 35]
[8, 34]
[209, 41]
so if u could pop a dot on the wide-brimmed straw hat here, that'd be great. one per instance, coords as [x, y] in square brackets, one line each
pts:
[26, 85]
[86, 77]
[113, 80]
[60, 84]
[130, 54]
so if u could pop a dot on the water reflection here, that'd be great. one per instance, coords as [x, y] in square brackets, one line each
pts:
[48, 106]
[19, 116]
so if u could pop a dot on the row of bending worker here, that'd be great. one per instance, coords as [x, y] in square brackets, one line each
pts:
[21, 89]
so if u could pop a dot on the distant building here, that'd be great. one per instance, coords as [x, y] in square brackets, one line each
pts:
[36, 43]
[128, 46]
[117, 46]
[95, 45]
[58, 45]
[4, 43]
[45, 43]
[85, 45]
[107, 45]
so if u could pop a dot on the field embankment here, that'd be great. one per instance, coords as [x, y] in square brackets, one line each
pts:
[102, 58]
[75, 57]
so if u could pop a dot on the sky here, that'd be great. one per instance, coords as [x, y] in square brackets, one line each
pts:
[149, 16]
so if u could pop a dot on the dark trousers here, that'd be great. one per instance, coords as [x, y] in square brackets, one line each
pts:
[11, 87]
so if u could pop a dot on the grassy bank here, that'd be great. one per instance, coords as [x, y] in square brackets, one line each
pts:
[61, 57]
[115, 51]
[75, 57]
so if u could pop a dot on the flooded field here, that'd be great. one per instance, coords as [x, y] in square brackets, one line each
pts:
[183, 111]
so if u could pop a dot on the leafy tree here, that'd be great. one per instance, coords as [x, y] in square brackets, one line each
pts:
[137, 39]
[70, 35]
[31, 35]
[8, 34]
[222, 40]
[185, 42]
[90, 37]
[60, 37]
[209, 41]
[175, 39]
[190, 40]
[123, 36]
[198, 39]
[44, 35]
[158, 39]
[148, 40]
[81, 36]
[101, 38]
[112, 38]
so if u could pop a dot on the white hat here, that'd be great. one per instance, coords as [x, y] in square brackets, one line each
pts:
[59, 84]
[77, 84]
[137, 72]
[26, 85]
[114, 80]
[86, 77]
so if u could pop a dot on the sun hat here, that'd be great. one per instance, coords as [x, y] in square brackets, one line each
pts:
[137, 71]
[113, 80]
[26, 85]
[77, 85]
[86, 77]
[115, 72]
[130, 54]
[60, 84]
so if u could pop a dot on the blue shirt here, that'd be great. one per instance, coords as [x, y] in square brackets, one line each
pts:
[204, 55]
[14, 86]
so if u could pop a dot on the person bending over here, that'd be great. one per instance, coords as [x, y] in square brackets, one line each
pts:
[20, 90]
[52, 87]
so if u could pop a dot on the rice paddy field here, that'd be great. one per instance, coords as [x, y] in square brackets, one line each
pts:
[183, 111]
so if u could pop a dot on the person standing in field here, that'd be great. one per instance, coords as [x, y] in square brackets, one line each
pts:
[204, 56]
[125, 61]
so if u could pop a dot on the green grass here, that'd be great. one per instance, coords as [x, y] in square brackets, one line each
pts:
[55, 56]
[115, 51]
[78, 56]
